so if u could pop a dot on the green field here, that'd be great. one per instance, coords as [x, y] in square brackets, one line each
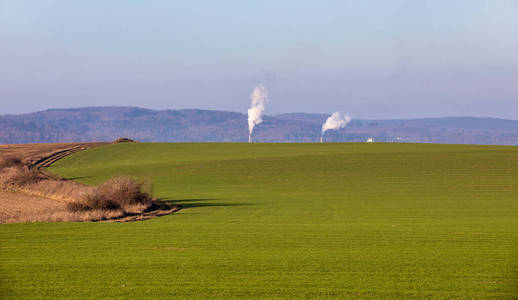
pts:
[284, 221]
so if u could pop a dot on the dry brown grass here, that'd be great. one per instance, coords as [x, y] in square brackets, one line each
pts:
[70, 201]
[63, 215]
[67, 201]
[10, 161]
[30, 195]
[20, 205]
[20, 175]
[57, 189]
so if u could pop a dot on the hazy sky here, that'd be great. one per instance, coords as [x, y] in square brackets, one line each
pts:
[370, 59]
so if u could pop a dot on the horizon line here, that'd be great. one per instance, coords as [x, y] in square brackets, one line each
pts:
[266, 115]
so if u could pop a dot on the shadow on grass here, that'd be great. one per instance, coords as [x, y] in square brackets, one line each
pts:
[202, 202]
[77, 178]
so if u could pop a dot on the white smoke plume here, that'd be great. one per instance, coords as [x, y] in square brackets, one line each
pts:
[335, 122]
[259, 98]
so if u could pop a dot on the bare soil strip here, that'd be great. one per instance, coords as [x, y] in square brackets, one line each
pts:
[18, 206]
[33, 153]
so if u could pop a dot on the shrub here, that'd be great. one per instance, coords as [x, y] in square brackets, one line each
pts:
[116, 193]
[21, 175]
[10, 161]
[77, 206]
[123, 140]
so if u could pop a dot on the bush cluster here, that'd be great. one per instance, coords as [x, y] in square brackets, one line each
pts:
[117, 193]
[21, 176]
[10, 161]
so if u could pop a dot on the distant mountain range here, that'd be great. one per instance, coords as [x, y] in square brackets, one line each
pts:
[194, 125]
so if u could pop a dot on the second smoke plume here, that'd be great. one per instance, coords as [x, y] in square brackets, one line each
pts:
[335, 122]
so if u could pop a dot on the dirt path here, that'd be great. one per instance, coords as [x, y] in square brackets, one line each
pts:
[43, 155]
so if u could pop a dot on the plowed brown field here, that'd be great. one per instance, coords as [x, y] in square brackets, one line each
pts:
[21, 205]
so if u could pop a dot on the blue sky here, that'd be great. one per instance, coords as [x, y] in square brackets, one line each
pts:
[370, 59]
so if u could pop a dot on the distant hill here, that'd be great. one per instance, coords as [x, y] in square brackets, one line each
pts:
[194, 125]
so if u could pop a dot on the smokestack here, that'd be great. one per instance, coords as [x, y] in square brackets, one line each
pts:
[334, 122]
[259, 98]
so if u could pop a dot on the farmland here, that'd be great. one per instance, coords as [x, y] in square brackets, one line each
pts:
[284, 221]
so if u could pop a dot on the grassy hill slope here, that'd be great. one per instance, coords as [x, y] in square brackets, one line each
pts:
[284, 220]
